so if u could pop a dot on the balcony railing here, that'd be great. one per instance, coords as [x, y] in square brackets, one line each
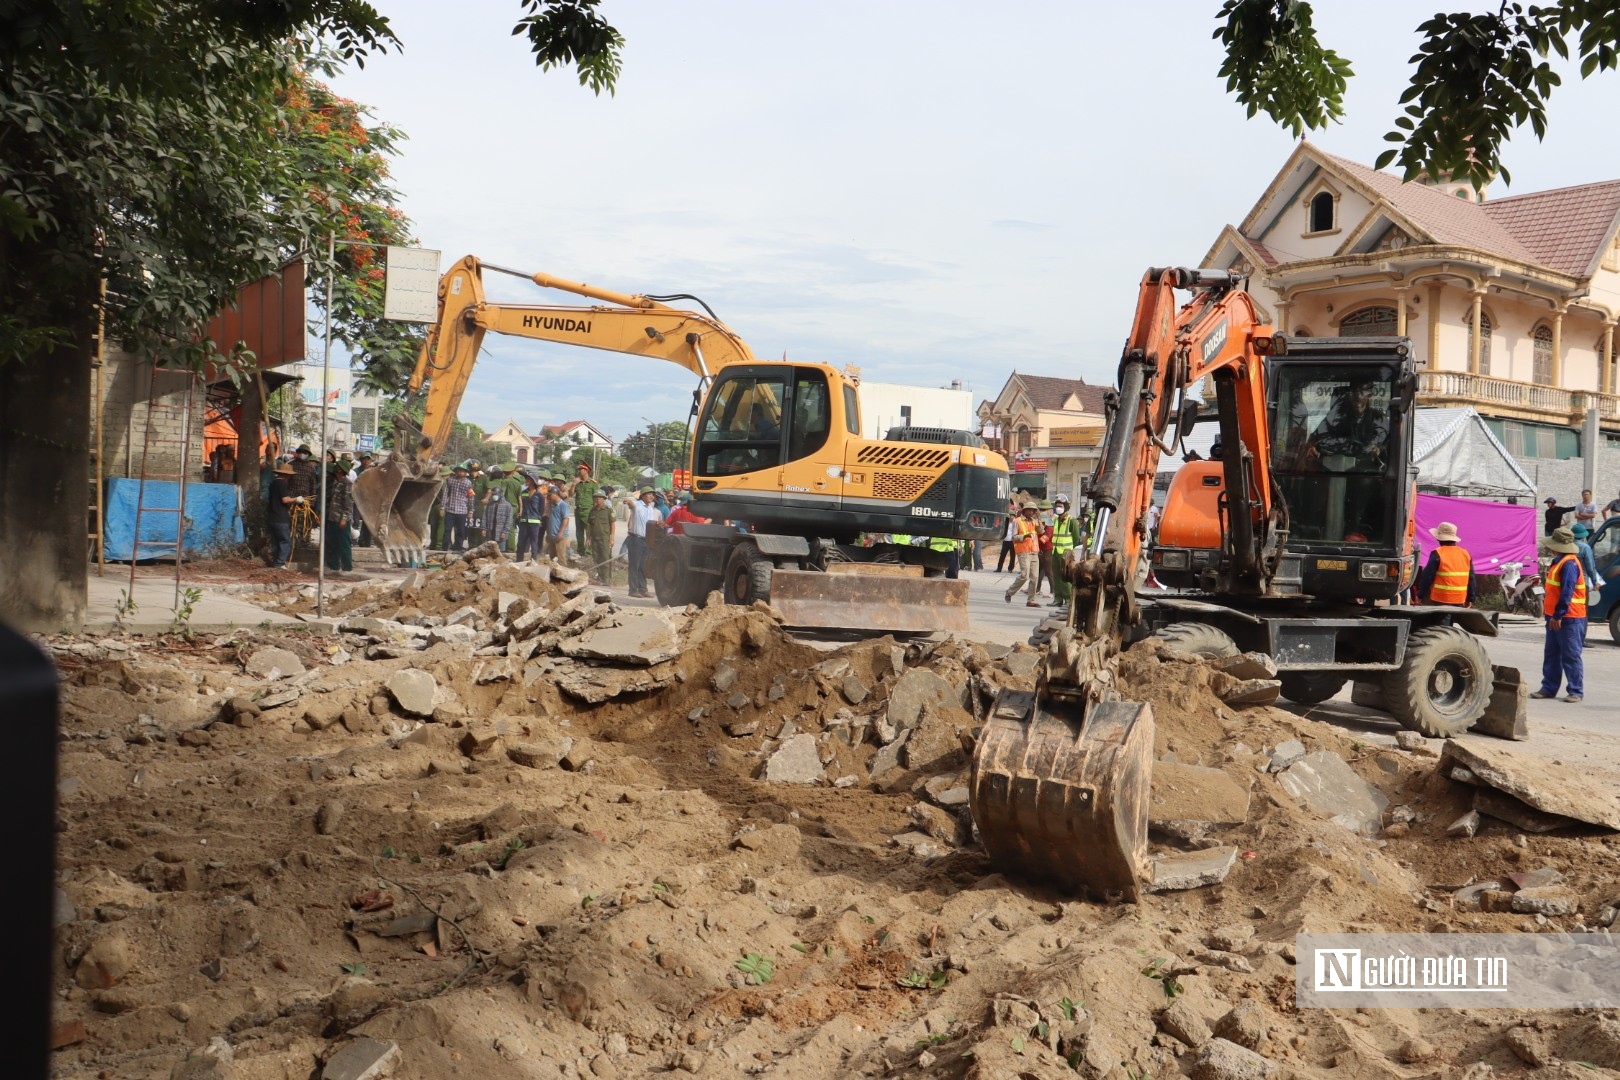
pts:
[1549, 402]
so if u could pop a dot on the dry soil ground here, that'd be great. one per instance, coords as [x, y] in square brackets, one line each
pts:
[748, 858]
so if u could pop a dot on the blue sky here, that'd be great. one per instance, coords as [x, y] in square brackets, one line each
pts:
[928, 190]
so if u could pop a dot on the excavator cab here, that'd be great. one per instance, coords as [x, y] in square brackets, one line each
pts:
[1339, 414]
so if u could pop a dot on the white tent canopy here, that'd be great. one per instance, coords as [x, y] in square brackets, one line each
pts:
[1455, 453]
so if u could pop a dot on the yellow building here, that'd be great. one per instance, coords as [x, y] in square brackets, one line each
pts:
[1511, 303]
[1020, 423]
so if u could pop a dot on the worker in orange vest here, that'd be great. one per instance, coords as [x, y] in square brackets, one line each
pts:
[1565, 607]
[1448, 576]
[1027, 547]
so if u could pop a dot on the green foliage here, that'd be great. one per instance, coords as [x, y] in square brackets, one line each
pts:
[1477, 77]
[353, 969]
[665, 453]
[564, 32]
[757, 967]
[920, 980]
[1275, 65]
[1069, 1007]
[182, 614]
[1155, 970]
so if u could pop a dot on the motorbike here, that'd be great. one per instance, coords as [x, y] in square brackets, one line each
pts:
[1521, 595]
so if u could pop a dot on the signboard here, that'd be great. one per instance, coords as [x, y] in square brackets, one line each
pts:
[365, 443]
[681, 478]
[1076, 436]
[1025, 463]
[411, 288]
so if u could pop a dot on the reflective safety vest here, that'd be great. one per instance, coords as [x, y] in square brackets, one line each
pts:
[1029, 536]
[941, 543]
[899, 538]
[1450, 584]
[1569, 564]
[1065, 534]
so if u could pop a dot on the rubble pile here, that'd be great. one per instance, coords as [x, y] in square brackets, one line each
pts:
[496, 825]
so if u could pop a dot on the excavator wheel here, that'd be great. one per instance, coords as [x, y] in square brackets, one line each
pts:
[1199, 639]
[1310, 687]
[669, 576]
[1443, 685]
[748, 575]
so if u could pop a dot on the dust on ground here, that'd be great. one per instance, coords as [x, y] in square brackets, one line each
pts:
[494, 852]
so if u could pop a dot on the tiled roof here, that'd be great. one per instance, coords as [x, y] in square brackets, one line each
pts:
[1261, 250]
[1046, 392]
[1564, 228]
[1446, 218]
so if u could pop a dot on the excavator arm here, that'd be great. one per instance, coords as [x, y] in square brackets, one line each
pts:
[395, 499]
[1061, 777]
[623, 323]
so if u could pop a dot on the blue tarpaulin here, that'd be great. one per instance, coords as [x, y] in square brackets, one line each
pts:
[213, 519]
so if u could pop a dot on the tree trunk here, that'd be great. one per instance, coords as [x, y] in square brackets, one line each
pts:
[44, 485]
[248, 462]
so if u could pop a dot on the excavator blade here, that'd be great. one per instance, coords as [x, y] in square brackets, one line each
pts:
[1060, 792]
[875, 601]
[395, 508]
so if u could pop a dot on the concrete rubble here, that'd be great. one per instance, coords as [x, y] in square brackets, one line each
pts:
[1325, 783]
[1538, 784]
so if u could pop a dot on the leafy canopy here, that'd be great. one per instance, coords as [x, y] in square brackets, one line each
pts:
[1476, 79]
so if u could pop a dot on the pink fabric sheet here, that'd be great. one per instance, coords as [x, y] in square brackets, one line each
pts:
[1493, 532]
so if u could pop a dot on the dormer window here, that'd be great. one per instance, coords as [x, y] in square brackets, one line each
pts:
[1322, 208]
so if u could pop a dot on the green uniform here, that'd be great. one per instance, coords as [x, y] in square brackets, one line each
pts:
[1066, 536]
[584, 496]
[599, 524]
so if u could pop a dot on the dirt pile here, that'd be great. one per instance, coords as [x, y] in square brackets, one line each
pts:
[611, 843]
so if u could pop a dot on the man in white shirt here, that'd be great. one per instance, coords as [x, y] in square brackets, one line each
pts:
[643, 515]
[1586, 511]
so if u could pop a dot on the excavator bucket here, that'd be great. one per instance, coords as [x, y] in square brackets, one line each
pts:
[395, 507]
[870, 601]
[1060, 792]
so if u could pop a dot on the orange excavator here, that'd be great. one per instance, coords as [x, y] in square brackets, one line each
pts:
[1281, 545]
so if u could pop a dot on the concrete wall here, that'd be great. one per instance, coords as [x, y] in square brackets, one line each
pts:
[126, 386]
[1563, 480]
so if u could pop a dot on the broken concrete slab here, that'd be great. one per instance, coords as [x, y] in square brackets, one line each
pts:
[1193, 793]
[1191, 869]
[413, 691]
[1465, 826]
[540, 753]
[1285, 754]
[853, 689]
[920, 844]
[888, 757]
[914, 691]
[1521, 815]
[1242, 694]
[1021, 663]
[1413, 742]
[797, 761]
[273, 663]
[1547, 900]
[1536, 781]
[639, 636]
[363, 1059]
[1246, 666]
[1326, 784]
[1369, 695]
[594, 685]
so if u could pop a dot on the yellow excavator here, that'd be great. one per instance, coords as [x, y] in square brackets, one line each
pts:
[776, 448]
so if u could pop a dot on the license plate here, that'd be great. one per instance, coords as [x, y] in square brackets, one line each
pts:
[1332, 564]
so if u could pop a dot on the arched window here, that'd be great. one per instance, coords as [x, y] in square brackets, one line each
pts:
[1024, 441]
[1484, 342]
[1303, 331]
[1542, 355]
[1322, 211]
[1375, 321]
